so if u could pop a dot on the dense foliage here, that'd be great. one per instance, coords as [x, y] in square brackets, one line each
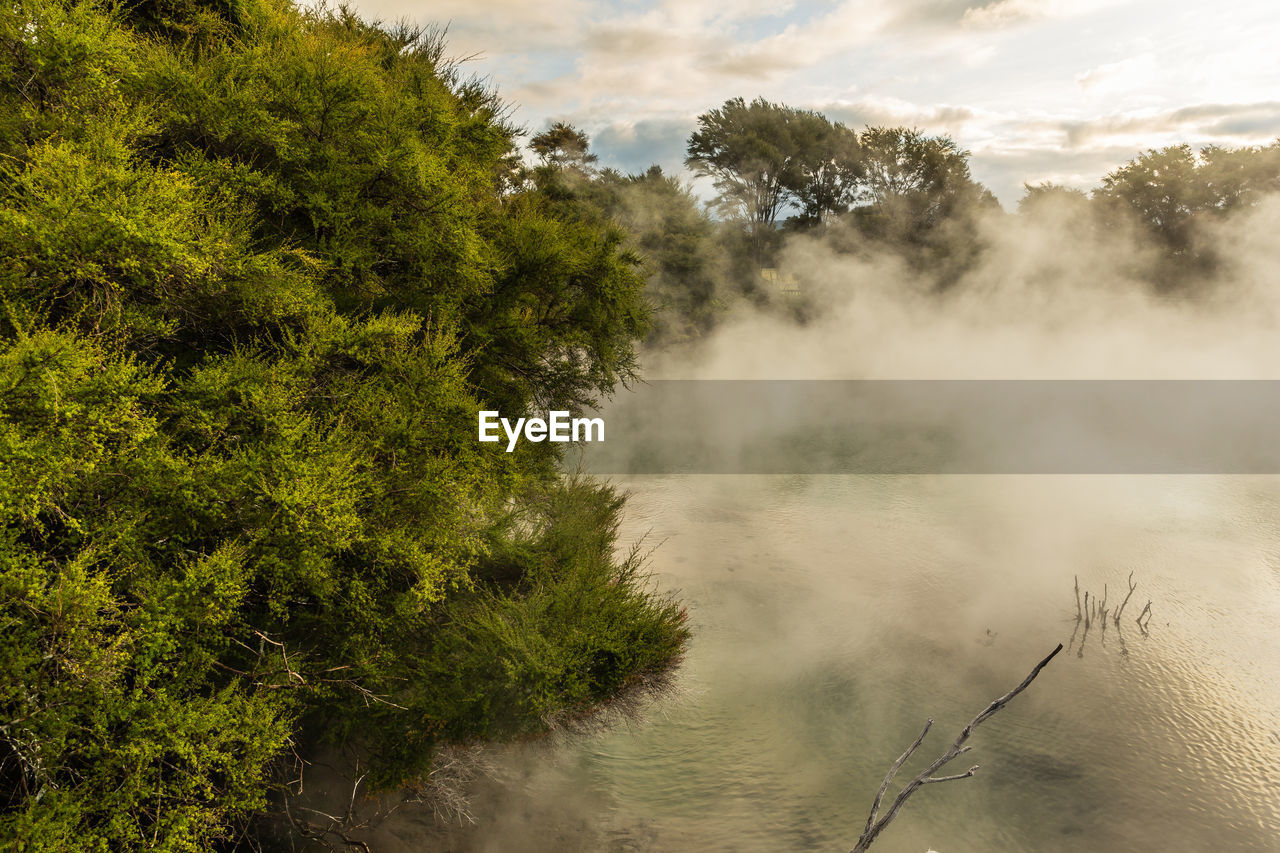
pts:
[684, 253]
[259, 270]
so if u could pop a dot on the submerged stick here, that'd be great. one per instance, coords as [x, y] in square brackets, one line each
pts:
[875, 822]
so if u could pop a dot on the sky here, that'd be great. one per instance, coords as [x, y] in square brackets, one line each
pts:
[1036, 90]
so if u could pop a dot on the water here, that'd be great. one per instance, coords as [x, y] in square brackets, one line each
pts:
[834, 614]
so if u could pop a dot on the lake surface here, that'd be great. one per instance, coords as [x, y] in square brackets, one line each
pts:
[834, 614]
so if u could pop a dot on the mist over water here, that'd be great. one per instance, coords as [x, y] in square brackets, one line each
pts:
[1050, 297]
[833, 614]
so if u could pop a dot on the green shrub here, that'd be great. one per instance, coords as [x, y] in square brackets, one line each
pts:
[260, 269]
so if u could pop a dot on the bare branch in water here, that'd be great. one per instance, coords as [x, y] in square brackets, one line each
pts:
[1132, 587]
[1146, 611]
[1095, 609]
[875, 822]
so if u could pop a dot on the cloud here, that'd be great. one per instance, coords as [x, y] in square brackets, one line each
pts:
[949, 119]
[681, 51]
[634, 146]
[1004, 13]
[502, 26]
[1004, 170]
[994, 14]
[631, 43]
[1035, 89]
[1235, 124]
[1123, 76]
[999, 14]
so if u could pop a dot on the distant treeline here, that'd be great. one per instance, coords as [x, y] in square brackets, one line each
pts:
[260, 268]
[779, 171]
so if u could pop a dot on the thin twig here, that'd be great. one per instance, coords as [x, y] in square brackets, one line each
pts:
[1132, 587]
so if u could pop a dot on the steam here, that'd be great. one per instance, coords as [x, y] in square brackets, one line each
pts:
[1051, 296]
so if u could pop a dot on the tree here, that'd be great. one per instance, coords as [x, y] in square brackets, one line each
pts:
[1170, 191]
[1162, 190]
[660, 221]
[1239, 177]
[914, 180]
[917, 194]
[748, 152]
[764, 156]
[563, 146]
[1036, 197]
[684, 259]
[829, 169]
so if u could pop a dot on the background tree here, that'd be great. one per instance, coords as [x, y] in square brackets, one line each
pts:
[664, 225]
[911, 182]
[917, 195]
[564, 146]
[1162, 190]
[765, 157]
[1036, 197]
[1237, 178]
[685, 261]
[1170, 193]
[750, 154]
[829, 169]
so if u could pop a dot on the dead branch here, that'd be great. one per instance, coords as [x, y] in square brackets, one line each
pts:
[444, 789]
[341, 828]
[268, 680]
[1095, 608]
[1132, 587]
[1146, 611]
[875, 822]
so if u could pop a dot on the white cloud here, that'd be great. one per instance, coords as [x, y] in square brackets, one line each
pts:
[1003, 13]
[493, 27]
[1120, 77]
